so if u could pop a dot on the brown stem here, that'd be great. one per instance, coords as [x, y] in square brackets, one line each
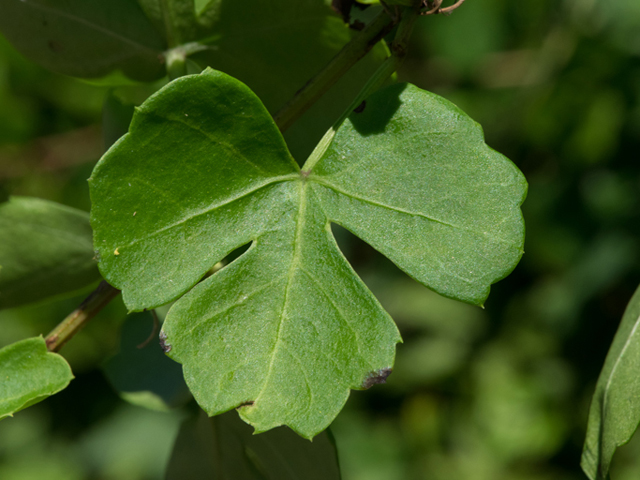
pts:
[77, 319]
[436, 7]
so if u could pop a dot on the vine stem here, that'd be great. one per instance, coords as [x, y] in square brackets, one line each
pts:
[77, 319]
[351, 53]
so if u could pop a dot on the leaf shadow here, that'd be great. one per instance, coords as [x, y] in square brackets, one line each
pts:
[372, 116]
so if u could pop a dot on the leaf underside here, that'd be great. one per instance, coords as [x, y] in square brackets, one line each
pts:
[615, 410]
[29, 374]
[287, 329]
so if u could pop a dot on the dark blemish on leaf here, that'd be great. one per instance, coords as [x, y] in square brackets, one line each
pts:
[249, 403]
[55, 47]
[377, 377]
[360, 108]
[166, 347]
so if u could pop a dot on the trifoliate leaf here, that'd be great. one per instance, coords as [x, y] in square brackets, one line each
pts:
[29, 374]
[46, 249]
[287, 329]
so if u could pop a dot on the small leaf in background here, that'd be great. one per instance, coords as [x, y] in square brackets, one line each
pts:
[141, 373]
[615, 411]
[85, 39]
[29, 374]
[224, 447]
[45, 250]
[287, 329]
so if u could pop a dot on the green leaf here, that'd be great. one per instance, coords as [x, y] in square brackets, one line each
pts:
[29, 374]
[45, 250]
[141, 373]
[279, 454]
[442, 205]
[266, 44]
[615, 410]
[84, 38]
[287, 329]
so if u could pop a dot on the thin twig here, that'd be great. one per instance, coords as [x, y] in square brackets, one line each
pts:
[77, 319]
[435, 7]
[351, 53]
[154, 330]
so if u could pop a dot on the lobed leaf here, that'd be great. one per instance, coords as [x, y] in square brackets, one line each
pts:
[286, 330]
[30, 374]
[46, 249]
[615, 410]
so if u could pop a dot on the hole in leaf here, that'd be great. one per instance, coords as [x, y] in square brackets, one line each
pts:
[230, 258]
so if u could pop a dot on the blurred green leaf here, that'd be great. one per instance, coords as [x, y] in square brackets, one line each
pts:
[141, 372]
[615, 409]
[83, 38]
[45, 250]
[29, 374]
[224, 447]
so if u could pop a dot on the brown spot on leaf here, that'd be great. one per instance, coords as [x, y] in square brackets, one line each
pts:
[166, 347]
[360, 108]
[248, 403]
[377, 377]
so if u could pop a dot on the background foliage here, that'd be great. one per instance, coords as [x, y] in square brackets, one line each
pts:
[500, 393]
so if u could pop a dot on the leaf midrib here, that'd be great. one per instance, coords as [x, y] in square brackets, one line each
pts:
[322, 181]
[295, 262]
[605, 396]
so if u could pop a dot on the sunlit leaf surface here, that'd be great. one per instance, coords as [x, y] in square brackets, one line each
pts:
[287, 329]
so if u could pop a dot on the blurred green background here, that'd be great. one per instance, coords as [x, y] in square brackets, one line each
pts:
[499, 393]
